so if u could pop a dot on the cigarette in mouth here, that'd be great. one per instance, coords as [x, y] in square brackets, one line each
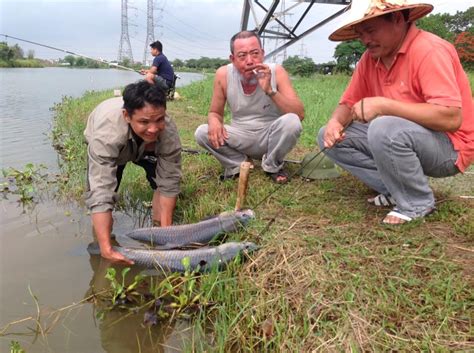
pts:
[255, 71]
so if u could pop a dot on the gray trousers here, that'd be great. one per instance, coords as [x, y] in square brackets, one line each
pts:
[394, 156]
[270, 143]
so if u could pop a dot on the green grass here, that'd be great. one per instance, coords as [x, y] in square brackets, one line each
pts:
[329, 276]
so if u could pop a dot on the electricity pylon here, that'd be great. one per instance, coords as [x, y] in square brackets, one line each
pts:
[125, 48]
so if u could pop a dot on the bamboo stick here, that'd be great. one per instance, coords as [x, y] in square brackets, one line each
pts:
[243, 184]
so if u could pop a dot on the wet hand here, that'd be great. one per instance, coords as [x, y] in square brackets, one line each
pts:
[115, 257]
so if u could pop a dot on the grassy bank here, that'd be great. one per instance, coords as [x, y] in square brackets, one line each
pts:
[31, 63]
[329, 276]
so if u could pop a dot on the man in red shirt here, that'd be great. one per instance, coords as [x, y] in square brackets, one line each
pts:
[407, 112]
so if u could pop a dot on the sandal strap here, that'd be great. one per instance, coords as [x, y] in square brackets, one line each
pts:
[399, 215]
[382, 200]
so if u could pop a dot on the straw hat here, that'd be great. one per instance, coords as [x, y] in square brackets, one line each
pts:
[362, 10]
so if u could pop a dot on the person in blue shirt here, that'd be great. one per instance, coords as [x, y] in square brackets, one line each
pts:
[161, 72]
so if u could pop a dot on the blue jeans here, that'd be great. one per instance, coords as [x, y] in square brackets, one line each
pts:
[395, 156]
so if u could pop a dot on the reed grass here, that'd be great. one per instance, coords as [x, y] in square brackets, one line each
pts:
[328, 276]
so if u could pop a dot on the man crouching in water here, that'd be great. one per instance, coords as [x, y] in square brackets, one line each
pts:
[133, 128]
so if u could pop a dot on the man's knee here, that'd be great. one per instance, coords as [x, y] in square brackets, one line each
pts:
[385, 130]
[291, 124]
[201, 135]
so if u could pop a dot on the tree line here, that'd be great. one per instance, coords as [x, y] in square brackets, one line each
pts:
[14, 56]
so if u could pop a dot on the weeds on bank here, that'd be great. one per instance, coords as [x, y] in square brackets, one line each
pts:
[26, 183]
[176, 295]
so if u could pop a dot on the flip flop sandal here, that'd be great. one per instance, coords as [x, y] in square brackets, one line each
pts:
[400, 216]
[382, 200]
[281, 173]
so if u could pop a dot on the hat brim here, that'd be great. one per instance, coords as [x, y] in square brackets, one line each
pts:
[322, 174]
[347, 31]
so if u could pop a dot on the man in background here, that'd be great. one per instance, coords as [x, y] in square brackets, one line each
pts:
[161, 72]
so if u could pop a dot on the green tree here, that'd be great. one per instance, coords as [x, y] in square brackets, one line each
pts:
[177, 63]
[437, 24]
[30, 54]
[70, 59]
[6, 53]
[347, 54]
[462, 21]
[81, 62]
[299, 66]
[192, 63]
[17, 52]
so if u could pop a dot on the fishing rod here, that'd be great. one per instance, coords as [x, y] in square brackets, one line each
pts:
[72, 53]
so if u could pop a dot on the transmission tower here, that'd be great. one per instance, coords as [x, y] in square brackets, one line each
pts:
[150, 30]
[282, 56]
[125, 48]
[303, 51]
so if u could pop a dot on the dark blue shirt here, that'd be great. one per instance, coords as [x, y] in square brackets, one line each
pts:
[164, 67]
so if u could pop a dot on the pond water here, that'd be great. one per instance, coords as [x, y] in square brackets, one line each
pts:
[45, 271]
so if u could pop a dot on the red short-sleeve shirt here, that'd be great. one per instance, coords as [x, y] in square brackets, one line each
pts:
[426, 69]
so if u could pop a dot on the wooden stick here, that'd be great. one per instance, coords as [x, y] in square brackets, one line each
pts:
[243, 183]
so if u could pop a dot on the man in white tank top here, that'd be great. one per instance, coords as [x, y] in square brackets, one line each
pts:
[266, 111]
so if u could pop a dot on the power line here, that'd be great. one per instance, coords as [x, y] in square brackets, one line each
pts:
[195, 29]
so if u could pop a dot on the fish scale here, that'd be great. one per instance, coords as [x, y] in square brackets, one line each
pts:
[171, 260]
[202, 232]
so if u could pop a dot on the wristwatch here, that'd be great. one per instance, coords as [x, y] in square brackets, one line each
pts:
[271, 93]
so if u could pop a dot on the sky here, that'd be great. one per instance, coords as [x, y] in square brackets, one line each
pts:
[187, 28]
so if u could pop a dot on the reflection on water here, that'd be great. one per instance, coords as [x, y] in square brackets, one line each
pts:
[43, 250]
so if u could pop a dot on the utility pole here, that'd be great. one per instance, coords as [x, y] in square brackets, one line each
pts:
[150, 30]
[125, 48]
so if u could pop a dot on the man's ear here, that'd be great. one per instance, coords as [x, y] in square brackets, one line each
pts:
[231, 58]
[127, 117]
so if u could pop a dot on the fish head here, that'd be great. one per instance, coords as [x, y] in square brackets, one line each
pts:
[244, 216]
[232, 249]
[248, 246]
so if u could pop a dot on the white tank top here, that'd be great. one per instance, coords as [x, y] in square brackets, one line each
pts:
[250, 111]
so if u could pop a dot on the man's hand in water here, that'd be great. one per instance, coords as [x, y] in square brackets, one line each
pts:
[115, 257]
